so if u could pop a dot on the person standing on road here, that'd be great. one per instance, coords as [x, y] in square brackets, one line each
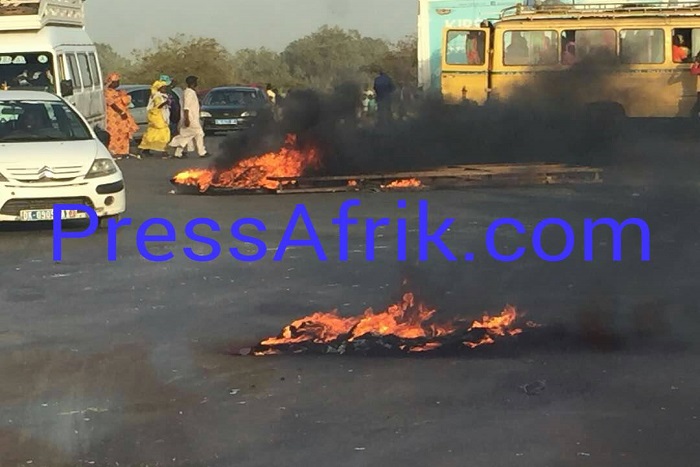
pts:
[191, 125]
[157, 135]
[121, 125]
[383, 90]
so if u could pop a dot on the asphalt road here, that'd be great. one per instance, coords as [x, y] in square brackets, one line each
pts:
[125, 362]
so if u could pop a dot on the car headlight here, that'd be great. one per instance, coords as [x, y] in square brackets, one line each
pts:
[204, 115]
[3, 179]
[251, 113]
[102, 168]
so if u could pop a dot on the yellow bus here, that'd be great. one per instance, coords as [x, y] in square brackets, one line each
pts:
[635, 58]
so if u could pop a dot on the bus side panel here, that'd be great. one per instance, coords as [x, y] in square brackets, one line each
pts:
[88, 96]
[465, 65]
[655, 93]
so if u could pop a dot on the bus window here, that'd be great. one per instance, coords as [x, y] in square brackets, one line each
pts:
[85, 70]
[95, 70]
[685, 44]
[530, 48]
[465, 48]
[577, 45]
[74, 74]
[641, 46]
[62, 68]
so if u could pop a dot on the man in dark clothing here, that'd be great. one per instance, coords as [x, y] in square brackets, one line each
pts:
[175, 109]
[383, 90]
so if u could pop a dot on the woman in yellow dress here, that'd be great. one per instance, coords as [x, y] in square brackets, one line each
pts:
[157, 135]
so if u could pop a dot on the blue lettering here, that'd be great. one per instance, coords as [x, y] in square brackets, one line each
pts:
[371, 229]
[236, 233]
[142, 237]
[424, 238]
[343, 222]
[192, 235]
[314, 241]
[590, 225]
[491, 244]
[112, 228]
[402, 233]
[537, 240]
[59, 234]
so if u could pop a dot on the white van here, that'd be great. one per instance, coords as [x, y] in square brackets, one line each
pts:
[44, 46]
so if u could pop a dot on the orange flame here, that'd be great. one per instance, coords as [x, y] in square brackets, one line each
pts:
[254, 172]
[407, 183]
[406, 319]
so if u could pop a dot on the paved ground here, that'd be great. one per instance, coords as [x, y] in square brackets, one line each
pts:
[124, 363]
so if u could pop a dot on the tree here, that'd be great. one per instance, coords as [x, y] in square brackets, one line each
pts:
[332, 55]
[181, 56]
[111, 61]
[262, 66]
[401, 62]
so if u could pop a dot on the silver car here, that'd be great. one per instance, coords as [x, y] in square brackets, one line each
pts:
[140, 94]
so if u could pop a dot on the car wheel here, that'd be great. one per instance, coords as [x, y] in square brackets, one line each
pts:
[104, 221]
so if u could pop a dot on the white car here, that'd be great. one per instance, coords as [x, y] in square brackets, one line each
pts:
[49, 155]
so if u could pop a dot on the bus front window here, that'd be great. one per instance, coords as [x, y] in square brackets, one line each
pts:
[27, 71]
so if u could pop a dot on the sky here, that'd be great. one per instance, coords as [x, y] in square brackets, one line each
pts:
[133, 24]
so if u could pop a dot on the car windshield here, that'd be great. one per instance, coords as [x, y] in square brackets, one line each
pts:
[235, 97]
[32, 121]
[27, 71]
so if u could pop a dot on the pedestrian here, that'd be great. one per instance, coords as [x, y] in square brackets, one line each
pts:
[174, 99]
[191, 125]
[121, 125]
[383, 90]
[695, 71]
[157, 134]
[271, 94]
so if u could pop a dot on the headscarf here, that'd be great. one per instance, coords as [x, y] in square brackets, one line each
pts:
[166, 79]
[112, 78]
[155, 90]
[155, 87]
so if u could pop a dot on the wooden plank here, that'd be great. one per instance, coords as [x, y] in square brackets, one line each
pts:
[456, 173]
[336, 189]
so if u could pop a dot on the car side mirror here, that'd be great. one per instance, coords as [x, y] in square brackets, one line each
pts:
[67, 88]
[102, 135]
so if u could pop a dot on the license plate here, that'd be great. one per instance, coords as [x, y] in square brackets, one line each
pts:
[231, 121]
[47, 215]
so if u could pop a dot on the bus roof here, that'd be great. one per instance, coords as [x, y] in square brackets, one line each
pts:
[44, 40]
[23, 15]
[547, 11]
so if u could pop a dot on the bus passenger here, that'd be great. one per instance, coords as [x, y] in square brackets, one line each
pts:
[548, 54]
[517, 53]
[568, 56]
[473, 55]
[680, 52]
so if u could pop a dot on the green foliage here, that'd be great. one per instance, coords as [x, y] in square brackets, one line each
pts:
[401, 62]
[181, 56]
[262, 66]
[111, 61]
[321, 60]
[332, 55]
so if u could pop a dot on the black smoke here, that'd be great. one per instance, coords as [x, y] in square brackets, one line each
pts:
[548, 118]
